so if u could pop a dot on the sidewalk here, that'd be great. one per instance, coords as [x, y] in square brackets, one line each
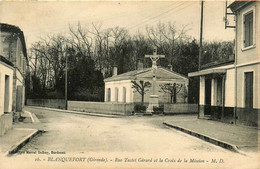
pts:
[19, 135]
[77, 112]
[236, 138]
[15, 138]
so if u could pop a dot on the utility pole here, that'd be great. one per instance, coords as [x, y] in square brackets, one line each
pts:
[66, 79]
[201, 30]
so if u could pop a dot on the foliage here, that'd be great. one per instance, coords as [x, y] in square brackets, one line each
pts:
[92, 52]
[173, 89]
[217, 52]
[141, 87]
[158, 110]
[139, 108]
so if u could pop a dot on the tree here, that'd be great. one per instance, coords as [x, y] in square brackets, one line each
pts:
[217, 52]
[141, 87]
[173, 89]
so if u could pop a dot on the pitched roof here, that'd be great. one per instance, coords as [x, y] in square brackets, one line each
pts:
[14, 29]
[139, 73]
[238, 4]
[3, 59]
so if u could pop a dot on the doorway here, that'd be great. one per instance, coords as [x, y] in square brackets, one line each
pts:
[6, 93]
[249, 90]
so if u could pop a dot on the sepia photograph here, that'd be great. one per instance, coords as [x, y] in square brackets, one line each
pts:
[129, 84]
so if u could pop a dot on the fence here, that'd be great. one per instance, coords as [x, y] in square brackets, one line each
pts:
[180, 108]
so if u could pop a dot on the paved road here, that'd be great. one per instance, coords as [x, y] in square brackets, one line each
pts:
[130, 137]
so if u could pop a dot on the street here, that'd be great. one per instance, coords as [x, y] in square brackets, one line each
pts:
[119, 138]
[79, 133]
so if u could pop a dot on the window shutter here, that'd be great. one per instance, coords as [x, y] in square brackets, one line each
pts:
[248, 29]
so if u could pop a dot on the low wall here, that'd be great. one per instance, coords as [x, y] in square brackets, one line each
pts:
[180, 108]
[248, 117]
[101, 107]
[6, 123]
[51, 103]
[244, 116]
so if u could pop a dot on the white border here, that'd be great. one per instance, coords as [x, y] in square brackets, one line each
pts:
[243, 48]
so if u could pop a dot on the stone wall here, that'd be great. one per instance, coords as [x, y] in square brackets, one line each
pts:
[51, 103]
[101, 107]
[180, 108]
[6, 121]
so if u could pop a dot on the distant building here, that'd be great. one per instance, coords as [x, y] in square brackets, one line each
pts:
[13, 57]
[229, 91]
[118, 88]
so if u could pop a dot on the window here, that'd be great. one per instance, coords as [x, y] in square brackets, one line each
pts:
[248, 28]
[116, 94]
[108, 94]
[124, 94]
[248, 25]
[249, 89]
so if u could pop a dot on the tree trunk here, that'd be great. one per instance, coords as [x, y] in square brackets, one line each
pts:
[174, 96]
[142, 99]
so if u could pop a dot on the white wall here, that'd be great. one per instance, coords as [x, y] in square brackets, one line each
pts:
[202, 90]
[5, 70]
[251, 54]
[248, 59]
[241, 85]
[213, 92]
[230, 88]
[20, 82]
[120, 84]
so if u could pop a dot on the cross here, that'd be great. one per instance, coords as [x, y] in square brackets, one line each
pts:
[154, 57]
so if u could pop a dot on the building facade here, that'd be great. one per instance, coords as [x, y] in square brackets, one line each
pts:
[118, 88]
[6, 86]
[229, 91]
[13, 49]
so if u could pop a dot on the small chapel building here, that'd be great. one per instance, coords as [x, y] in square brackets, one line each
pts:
[118, 88]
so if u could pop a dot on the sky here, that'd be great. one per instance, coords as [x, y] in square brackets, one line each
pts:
[39, 19]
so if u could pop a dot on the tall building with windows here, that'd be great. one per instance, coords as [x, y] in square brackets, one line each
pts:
[13, 56]
[229, 91]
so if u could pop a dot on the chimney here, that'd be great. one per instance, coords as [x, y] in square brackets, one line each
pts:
[170, 67]
[114, 71]
[140, 65]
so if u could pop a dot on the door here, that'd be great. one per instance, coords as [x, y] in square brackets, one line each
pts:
[19, 99]
[249, 90]
[6, 94]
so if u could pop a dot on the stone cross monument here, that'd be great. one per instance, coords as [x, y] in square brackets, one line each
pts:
[154, 99]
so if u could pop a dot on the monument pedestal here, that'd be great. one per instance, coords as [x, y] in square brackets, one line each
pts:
[153, 101]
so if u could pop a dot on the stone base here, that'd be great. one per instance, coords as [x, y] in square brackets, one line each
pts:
[153, 102]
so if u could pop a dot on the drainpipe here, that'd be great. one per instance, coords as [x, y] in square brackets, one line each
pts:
[235, 106]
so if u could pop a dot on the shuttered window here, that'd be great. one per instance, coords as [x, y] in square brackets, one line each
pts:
[248, 29]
